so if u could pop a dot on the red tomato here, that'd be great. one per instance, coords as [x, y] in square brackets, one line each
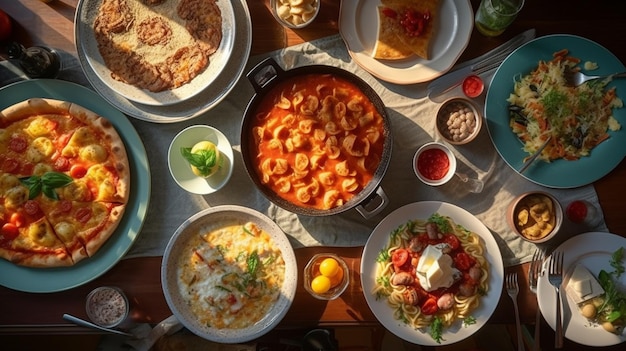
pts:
[399, 257]
[452, 240]
[9, 231]
[430, 306]
[463, 261]
[6, 27]
[17, 219]
[78, 171]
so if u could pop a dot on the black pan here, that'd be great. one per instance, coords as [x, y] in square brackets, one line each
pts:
[267, 74]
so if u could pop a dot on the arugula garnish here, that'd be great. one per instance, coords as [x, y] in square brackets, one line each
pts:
[46, 184]
[616, 262]
[436, 329]
[613, 307]
[469, 320]
[442, 222]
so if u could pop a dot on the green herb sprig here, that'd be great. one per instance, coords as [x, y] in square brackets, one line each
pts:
[203, 160]
[616, 262]
[436, 329]
[46, 183]
[442, 222]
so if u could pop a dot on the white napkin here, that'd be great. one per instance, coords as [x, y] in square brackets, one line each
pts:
[412, 124]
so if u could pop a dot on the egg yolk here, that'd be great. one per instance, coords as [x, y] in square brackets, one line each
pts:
[329, 267]
[320, 284]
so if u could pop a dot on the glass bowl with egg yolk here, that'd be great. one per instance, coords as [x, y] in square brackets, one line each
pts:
[326, 276]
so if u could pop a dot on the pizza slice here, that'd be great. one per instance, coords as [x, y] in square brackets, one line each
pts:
[90, 223]
[26, 236]
[412, 22]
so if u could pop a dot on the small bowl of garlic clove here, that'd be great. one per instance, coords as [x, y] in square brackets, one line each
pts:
[295, 14]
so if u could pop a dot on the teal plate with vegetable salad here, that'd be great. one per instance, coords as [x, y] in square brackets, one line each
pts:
[45, 280]
[594, 251]
[558, 173]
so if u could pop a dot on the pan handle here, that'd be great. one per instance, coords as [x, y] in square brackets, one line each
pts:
[384, 200]
[263, 73]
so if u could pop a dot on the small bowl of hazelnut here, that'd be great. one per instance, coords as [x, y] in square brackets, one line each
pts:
[326, 276]
[295, 14]
[458, 121]
[535, 216]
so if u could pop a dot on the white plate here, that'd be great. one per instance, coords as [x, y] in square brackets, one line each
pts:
[181, 170]
[86, 42]
[359, 30]
[216, 217]
[379, 239]
[194, 106]
[592, 250]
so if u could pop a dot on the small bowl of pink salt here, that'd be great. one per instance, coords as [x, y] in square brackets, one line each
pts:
[107, 306]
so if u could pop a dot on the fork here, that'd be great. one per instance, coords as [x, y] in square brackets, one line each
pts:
[575, 78]
[534, 272]
[555, 277]
[512, 288]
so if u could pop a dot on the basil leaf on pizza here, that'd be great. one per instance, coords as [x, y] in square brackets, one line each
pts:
[46, 184]
[51, 214]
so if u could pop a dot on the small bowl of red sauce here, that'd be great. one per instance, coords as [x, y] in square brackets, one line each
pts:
[473, 86]
[434, 163]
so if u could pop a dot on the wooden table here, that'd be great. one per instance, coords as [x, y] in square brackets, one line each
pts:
[52, 25]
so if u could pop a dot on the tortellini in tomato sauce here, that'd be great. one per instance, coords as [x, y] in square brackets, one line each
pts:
[317, 140]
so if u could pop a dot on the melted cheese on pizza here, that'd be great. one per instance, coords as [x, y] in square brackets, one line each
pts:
[100, 176]
[231, 276]
[81, 137]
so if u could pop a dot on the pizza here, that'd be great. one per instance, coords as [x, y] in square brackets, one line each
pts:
[64, 182]
[405, 28]
[157, 45]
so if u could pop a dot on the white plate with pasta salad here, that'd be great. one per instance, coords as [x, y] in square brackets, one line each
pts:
[413, 324]
[576, 160]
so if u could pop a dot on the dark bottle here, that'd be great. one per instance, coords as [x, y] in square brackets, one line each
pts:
[36, 61]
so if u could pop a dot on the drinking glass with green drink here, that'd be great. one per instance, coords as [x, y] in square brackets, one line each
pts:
[494, 16]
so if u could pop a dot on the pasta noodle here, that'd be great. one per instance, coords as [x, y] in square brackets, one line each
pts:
[317, 140]
[577, 118]
[414, 300]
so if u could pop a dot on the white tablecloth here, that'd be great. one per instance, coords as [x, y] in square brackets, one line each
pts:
[412, 124]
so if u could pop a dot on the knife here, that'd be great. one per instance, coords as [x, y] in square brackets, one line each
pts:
[478, 65]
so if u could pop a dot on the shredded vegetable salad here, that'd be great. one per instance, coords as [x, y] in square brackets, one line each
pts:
[577, 118]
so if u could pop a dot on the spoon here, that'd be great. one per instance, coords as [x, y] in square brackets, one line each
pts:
[532, 158]
[87, 324]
